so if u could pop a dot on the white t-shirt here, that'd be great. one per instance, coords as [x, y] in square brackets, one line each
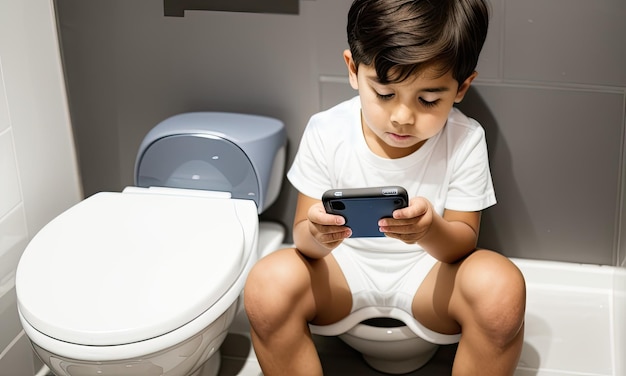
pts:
[451, 169]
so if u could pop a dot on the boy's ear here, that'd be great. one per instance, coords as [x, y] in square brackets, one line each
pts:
[464, 87]
[347, 57]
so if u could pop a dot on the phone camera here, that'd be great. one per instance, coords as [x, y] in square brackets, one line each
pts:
[337, 205]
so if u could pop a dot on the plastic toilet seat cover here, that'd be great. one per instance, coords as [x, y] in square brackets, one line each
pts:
[121, 268]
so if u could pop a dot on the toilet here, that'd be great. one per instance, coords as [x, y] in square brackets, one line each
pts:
[389, 339]
[147, 281]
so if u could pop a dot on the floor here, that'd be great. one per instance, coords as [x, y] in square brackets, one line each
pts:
[337, 359]
[569, 331]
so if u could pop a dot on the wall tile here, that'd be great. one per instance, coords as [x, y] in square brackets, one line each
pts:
[9, 184]
[13, 239]
[490, 61]
[555, 165]
[4, 109]
[34, 86]
[569, 41]
[334, 90]
[326, 22]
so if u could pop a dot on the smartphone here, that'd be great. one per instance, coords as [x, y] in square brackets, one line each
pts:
[363, 207]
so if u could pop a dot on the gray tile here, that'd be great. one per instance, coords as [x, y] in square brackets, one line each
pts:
[550, 151]
[569, 41]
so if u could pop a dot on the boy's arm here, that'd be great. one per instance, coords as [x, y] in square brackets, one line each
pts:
[448, 238]
[315, 232]
[452, 236]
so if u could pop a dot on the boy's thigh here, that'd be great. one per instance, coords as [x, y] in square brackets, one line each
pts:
[450, 293]
[432, 300]
[315, 288]
[330, 289]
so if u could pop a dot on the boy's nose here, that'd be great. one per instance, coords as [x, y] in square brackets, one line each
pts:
[402, 114]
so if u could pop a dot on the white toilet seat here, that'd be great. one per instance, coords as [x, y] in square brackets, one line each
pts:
[155, 287]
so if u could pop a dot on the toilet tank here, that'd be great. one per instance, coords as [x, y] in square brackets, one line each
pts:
[216, 151]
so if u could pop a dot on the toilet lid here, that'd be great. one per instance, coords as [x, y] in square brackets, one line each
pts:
[119, 268]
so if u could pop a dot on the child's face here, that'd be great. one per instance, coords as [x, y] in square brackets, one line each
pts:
[398, 118]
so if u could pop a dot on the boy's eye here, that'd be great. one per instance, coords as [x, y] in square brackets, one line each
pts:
[426, 103]
[384, 96]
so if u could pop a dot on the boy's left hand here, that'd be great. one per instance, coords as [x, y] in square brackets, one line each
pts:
[409, 224]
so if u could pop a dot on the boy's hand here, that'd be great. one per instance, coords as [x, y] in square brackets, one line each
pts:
[409, 224]
[327, 229]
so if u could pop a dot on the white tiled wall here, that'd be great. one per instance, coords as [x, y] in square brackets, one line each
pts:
[9, 186]
[13, 233]
[13, 237]
[38, 174]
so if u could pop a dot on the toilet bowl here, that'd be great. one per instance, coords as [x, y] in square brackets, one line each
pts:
[147, 281]
[389, 346]
[123, 314]
[389, 339]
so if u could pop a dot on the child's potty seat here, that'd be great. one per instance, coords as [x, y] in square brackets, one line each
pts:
[355, 318]
[122, 268]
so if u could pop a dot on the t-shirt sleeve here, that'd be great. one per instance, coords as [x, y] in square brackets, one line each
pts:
[471, 186]
[309, 172]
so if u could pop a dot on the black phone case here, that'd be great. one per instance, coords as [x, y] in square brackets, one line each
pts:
[363, 207]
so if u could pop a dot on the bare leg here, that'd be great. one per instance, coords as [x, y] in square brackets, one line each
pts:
[284, 292]
[484, 298]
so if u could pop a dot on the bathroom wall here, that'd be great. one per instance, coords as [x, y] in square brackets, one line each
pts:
[38, 172]
[551, 95]
[552, 101]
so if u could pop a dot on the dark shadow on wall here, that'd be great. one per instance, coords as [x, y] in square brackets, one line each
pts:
[177, 8]
[506, 226]
[282, 210]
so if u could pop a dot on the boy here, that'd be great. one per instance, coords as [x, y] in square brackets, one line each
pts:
[410, 61]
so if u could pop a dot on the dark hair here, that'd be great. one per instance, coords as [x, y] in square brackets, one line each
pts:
[400, 37]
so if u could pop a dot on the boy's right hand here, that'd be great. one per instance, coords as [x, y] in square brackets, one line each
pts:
[327, 229]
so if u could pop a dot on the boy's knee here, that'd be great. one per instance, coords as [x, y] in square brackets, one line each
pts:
[496, 293]
[272, 290]
[264, 284]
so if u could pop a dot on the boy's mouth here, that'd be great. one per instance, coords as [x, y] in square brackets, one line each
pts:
[399, 137]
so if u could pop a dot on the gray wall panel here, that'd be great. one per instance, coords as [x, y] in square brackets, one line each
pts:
[555, 158]
[490, 61]
[567, 41]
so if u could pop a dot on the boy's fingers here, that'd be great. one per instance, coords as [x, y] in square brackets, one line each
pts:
[417, 207]
[318, 215]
